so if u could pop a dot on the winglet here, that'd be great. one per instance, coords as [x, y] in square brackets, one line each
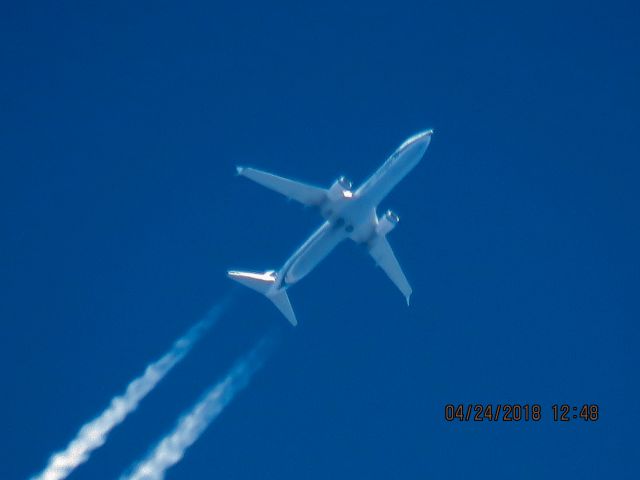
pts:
[239, 170]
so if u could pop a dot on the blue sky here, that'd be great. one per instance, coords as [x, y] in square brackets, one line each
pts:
[120, 127]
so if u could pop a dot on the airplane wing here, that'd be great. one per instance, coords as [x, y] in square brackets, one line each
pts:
[301, 192]
[382, 253]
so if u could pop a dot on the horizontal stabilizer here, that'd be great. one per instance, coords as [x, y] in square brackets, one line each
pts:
[264, 283]
[301, 192]
[281, 300]
[260, 282]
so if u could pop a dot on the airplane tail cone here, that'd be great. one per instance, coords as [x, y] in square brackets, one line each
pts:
[264, 283]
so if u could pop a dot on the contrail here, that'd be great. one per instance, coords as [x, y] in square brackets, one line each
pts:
[93, 435]
[192, 424]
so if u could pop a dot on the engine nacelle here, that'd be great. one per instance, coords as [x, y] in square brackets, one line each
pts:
[387, 222]
[340, 189]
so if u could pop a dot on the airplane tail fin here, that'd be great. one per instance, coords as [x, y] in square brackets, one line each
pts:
[263, 283]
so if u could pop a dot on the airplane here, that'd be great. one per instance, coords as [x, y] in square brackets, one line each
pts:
[347, 213]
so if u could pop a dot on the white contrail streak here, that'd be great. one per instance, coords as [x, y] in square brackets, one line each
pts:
[192, 424]
[93, 435]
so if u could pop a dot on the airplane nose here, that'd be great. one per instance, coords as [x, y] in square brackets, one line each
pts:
[422, 138]
[426, 135]
[425, 140]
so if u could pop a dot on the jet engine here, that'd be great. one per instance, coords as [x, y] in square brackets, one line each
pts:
[386, 223]
[340, 189]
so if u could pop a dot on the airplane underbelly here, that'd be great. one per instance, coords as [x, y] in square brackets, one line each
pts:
[385, 180]
[314, 251]
[380, 189]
